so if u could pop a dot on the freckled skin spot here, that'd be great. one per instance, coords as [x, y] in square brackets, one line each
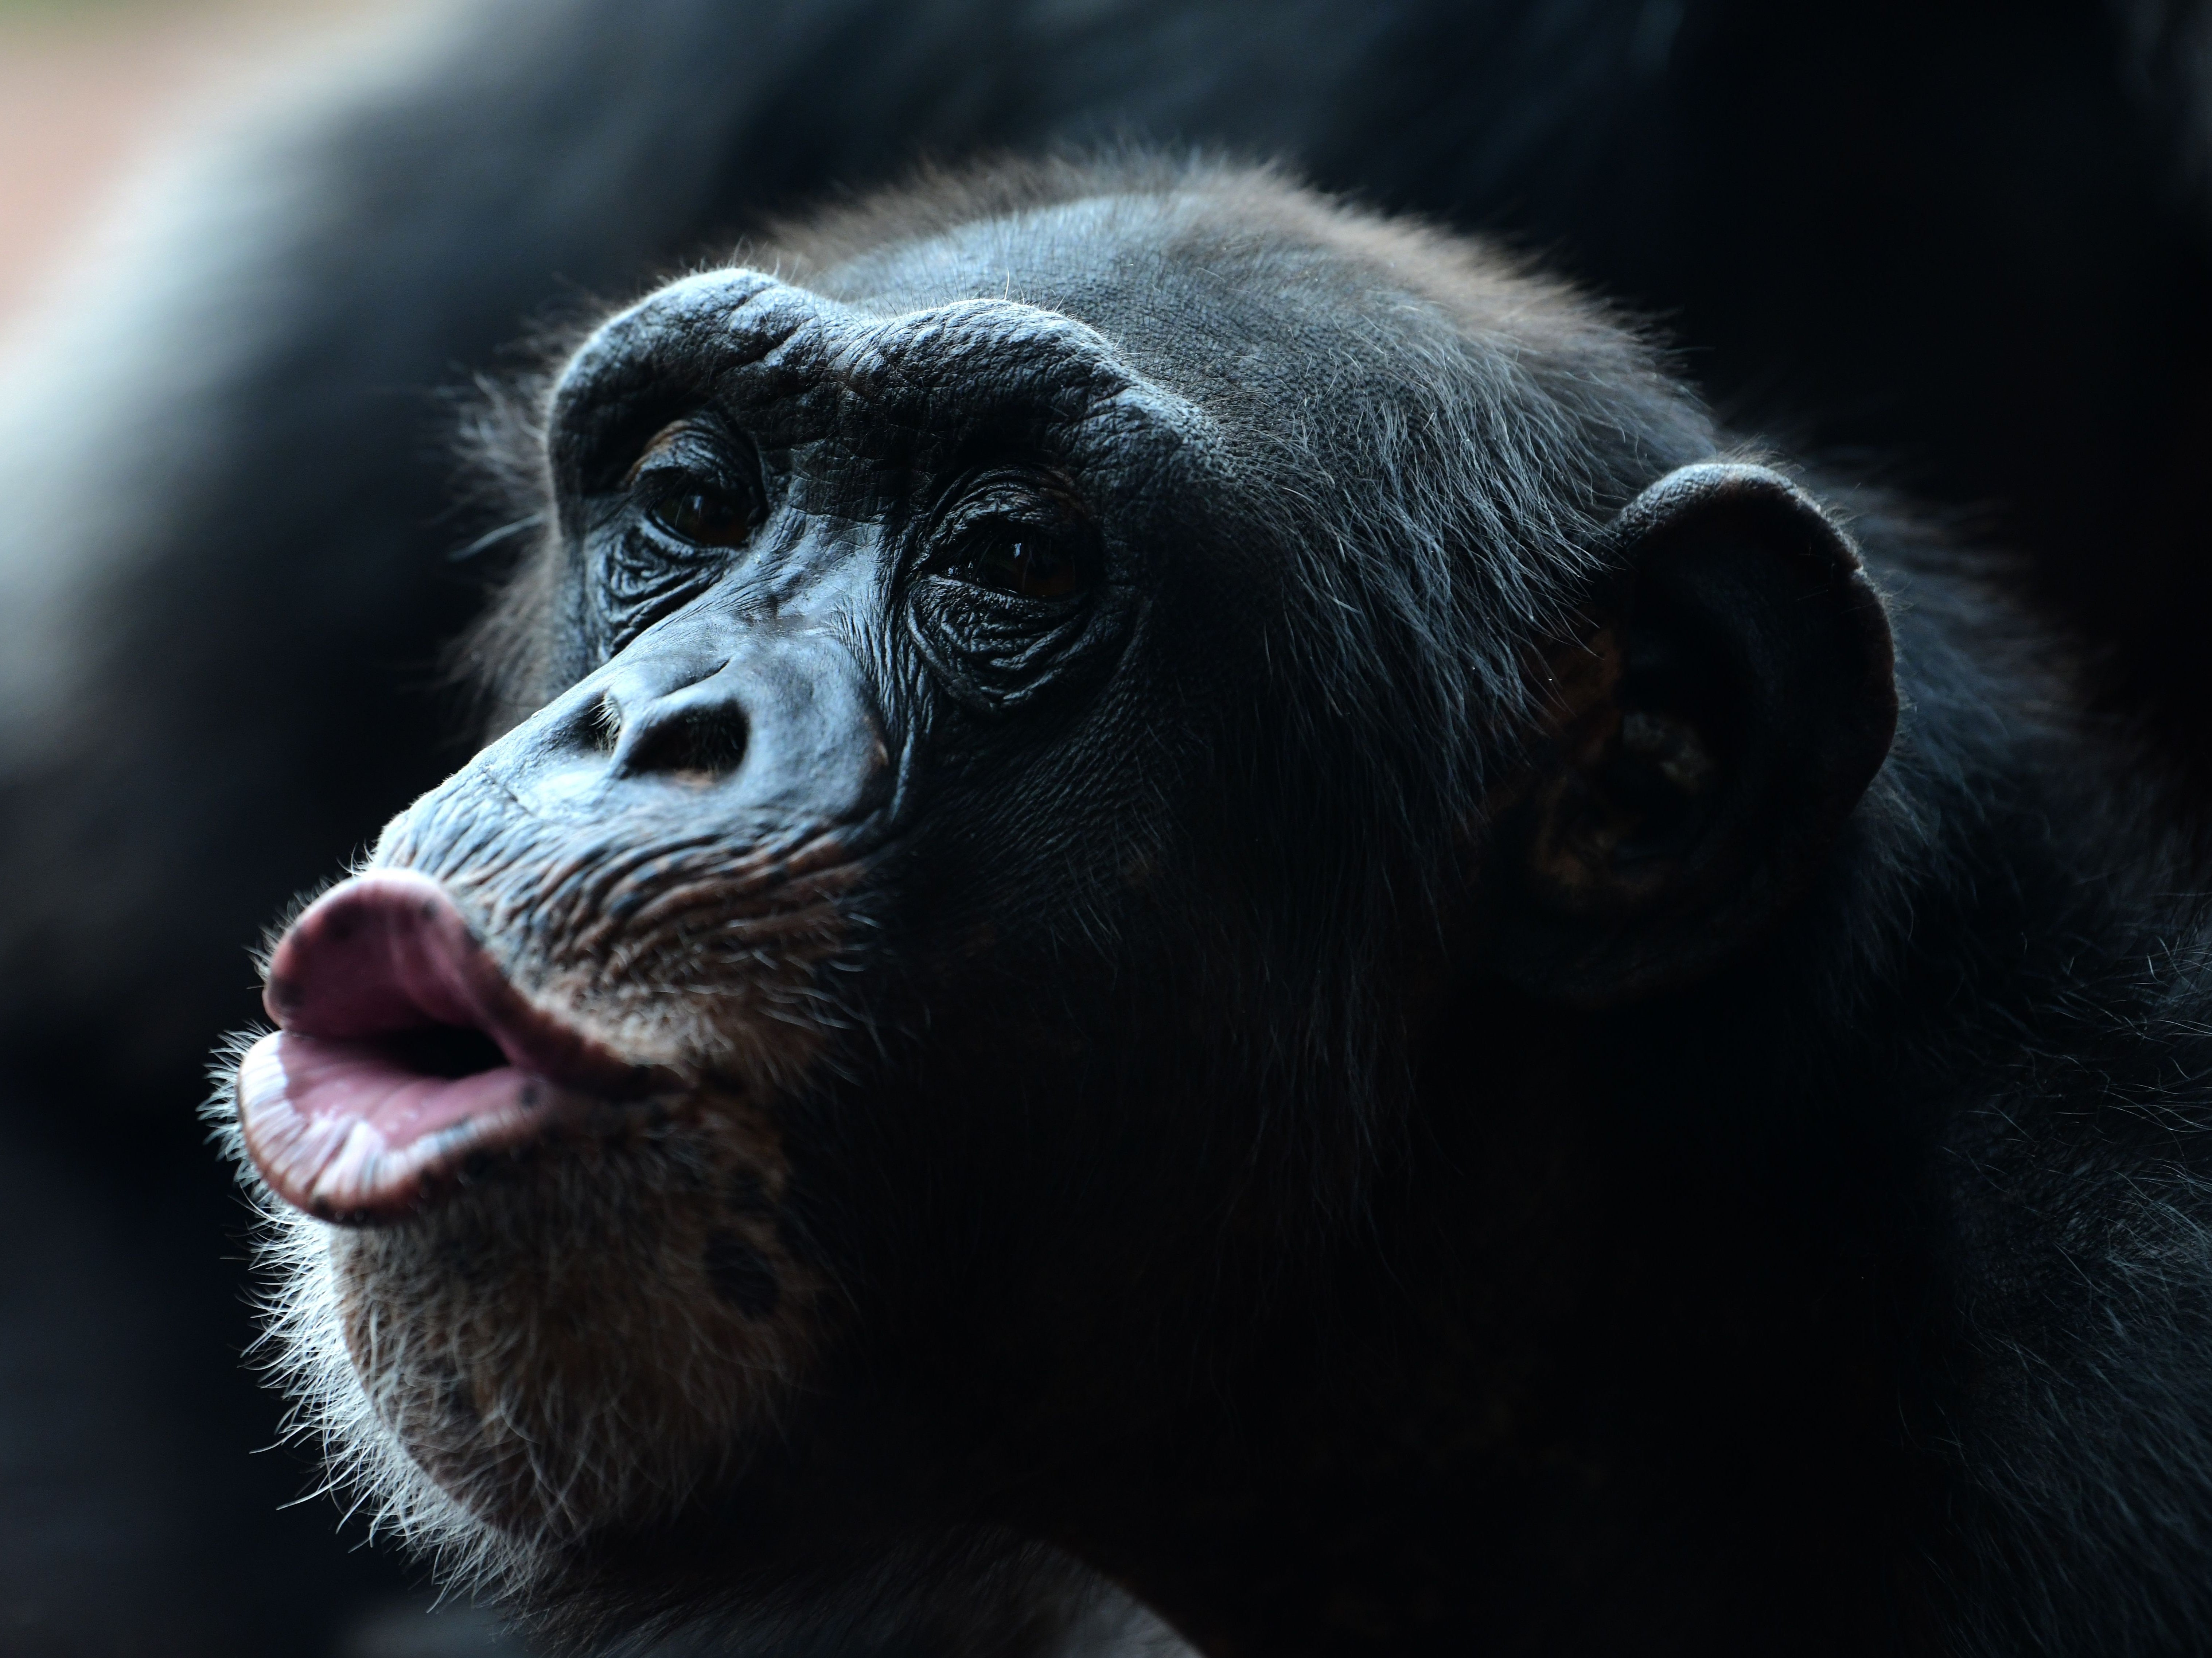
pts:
[741, 1275]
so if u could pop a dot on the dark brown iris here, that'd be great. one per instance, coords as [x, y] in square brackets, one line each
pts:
[705, 518]
[1031, 565]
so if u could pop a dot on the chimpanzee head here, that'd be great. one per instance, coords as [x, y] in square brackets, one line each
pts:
[1010, 721]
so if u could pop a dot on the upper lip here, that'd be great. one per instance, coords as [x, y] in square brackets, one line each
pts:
[341, 1117]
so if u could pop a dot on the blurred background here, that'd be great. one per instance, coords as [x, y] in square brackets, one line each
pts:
[90, 88]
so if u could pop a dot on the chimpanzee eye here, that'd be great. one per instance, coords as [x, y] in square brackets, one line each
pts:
[1009, 558]
[1013, 592]
[1018, 533]
[687, 494]
[704, 517]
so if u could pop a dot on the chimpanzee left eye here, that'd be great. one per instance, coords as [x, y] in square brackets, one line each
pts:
[1018, 533]
[1032, 563]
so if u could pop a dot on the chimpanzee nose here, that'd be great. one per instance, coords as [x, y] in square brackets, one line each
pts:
[698, 735]
[775, 721]
[747, 724]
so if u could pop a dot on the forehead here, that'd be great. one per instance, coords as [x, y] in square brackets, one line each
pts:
[1257, 316]
[1181, 283]
[1113, 315]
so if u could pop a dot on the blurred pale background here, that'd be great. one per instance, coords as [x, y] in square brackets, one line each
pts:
[89, 87]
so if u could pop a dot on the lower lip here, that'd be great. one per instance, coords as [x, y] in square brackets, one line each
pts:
[339, 1130]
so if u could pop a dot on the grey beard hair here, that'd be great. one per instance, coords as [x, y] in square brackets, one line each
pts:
[532, 1439]
[302, 1350]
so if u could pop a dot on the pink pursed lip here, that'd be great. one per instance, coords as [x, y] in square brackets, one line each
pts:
[341, 1110]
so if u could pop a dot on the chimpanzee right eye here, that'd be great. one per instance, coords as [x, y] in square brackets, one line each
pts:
[697, 483]
[703, 517]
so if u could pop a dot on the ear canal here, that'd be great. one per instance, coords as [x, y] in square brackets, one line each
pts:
[1716, 728]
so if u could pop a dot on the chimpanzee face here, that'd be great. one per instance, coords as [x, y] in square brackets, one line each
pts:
[843, 601]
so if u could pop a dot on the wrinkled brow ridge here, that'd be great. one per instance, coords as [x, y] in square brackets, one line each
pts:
[754, 344]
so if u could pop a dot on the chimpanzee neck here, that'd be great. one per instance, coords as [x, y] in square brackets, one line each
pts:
[1653, 1326]
[1597, 1373]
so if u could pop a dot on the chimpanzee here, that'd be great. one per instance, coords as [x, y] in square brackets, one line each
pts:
[1186, 873]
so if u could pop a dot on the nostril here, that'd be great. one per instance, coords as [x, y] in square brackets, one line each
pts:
[693, 744]
[604, 723]
[593, 728]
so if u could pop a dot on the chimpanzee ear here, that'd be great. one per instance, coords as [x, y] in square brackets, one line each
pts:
[1735, 695]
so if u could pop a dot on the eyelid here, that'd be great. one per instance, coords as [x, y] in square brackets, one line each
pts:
[689, 445]
[1044, 500]
[656, 447]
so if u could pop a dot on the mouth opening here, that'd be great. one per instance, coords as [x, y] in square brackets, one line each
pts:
[405, 1056]
[449, 1052]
